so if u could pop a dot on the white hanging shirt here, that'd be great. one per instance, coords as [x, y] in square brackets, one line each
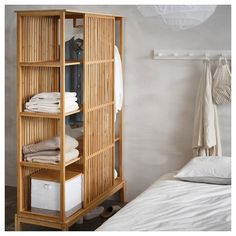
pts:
[118, 81]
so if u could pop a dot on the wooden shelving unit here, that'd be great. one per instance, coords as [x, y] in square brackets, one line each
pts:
[41, 67]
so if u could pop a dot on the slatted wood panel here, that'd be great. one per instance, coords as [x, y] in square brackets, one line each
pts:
[100, 84]
[39, 39]
[100, 133]
[99, 174]
[37, 129]
[99, 105]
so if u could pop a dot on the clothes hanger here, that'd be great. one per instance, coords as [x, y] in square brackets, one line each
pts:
[77, 36]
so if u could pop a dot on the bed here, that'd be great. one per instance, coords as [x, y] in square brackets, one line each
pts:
[175, 205]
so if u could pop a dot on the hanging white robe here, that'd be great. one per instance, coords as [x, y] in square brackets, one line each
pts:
[206, 134]
[118, 81]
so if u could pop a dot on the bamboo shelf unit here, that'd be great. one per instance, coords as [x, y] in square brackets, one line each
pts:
[41, 67]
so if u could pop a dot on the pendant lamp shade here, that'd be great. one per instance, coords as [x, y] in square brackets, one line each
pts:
[179, 17]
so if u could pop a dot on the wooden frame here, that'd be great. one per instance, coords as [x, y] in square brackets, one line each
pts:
[41, 67]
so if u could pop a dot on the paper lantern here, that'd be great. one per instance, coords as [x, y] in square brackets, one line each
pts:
[179, 17]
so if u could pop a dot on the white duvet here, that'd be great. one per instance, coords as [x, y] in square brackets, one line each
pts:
[175, 205]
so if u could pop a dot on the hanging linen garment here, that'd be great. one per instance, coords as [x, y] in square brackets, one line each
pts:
[206, 135]
[118, 82]
[221, 91]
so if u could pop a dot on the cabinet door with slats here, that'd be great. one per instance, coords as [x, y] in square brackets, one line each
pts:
[98, 105]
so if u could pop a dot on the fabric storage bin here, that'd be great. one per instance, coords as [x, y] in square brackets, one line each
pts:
[45, 192]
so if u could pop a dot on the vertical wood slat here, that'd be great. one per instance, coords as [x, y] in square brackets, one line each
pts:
[121, 174]
[85, 126]
[112, 52]
[19, 109]
[62, 118]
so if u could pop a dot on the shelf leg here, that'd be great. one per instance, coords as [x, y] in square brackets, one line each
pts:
[65, 227]
[122, 194]
[17, 223]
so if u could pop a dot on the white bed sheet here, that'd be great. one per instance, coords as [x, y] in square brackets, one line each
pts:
[173, 205]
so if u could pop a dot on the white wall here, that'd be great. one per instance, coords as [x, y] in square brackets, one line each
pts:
[159, 95]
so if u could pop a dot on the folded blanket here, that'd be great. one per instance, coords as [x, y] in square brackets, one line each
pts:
[53, 95]
[51, 108]
[43, 153]
[74, 153]
[51, 144]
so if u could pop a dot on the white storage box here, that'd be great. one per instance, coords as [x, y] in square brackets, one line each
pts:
[45, 192]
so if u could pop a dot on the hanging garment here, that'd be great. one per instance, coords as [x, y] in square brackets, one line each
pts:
[118, 82]
[74, 78]
[206, 135]
[221, 90]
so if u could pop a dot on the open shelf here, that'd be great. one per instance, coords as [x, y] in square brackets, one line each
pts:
[47, 166]
[43, 218]
[47, 115]
[51, 63]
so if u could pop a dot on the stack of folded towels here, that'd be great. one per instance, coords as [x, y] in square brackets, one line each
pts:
[48, 151]
[50, 102]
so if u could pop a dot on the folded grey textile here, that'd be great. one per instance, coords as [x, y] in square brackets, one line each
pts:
[51, 144]
[72, 154]
[43, 153]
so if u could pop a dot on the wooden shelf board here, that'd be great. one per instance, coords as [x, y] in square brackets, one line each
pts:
[47, 166]
[73, 161]
[36, 215]
[50, 63]
[54, 175]
[47, 115]
[58, 11]
[73, 112]
[40, 165]
[73, 62]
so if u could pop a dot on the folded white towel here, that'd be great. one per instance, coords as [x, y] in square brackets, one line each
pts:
[51, 109]
[51, 101]
[53, 95]
[50, 105]
[74, 153]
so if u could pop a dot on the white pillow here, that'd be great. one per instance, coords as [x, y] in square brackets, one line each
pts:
[207, 169]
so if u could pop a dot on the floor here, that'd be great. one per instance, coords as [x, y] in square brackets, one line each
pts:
[10, 210]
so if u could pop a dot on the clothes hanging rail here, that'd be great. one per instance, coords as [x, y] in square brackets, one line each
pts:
[190, 54]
